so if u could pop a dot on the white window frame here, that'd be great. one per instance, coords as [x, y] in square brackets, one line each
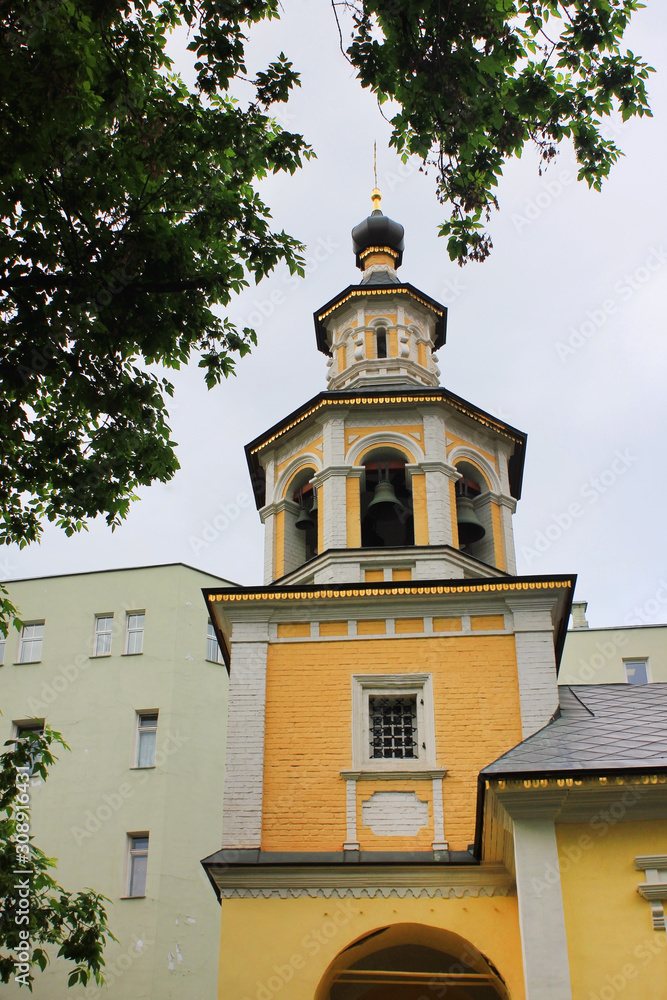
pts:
[636, 659]
[393, 685]
[145, 727]
[133, 854]
[102, 632]
[134, 630]
[29, 643]
[3, 649]
[212, 637]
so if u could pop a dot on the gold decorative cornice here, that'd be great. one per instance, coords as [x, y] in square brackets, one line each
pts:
[333, 592]
[394, 398]
[385, 290]
[590, 782]
[370, 250]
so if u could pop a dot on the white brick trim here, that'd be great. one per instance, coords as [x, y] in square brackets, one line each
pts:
[244, 771]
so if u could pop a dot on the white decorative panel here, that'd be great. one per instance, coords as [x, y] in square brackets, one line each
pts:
[395, 814]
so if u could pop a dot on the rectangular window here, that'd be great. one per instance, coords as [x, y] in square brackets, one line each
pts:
[146, 738]
[3, 646]
[134, 633]
[30, 650]
[392, 727]
[103, 628]
[212, 648]
[636, 671]
[137, 864]
[25, 729]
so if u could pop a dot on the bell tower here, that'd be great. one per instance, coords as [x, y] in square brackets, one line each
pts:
[386, 475]
[390, 656]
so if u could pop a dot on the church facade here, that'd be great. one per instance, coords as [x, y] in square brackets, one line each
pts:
[410, 802]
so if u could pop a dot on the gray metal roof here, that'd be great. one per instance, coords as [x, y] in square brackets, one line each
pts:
[598, 728]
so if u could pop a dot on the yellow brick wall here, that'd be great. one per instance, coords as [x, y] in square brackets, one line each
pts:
[447, 624]
[308, 728]
[328, 629]
[498, 544]
[419, 508]
[484, 623]
[353, 507]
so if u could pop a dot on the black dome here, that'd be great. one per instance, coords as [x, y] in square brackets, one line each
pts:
[378, 231]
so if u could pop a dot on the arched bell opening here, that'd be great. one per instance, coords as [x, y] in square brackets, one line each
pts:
[386, 501]
[473, 514]
[301, 537]
[410, 962]
[381, 347]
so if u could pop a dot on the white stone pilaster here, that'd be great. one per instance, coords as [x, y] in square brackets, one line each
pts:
[331, 483]
[244, 769]
[435, 445]
[268, 517]
[539, 895]
[507, 507]
[333, 440]
[536, 662]
[437, 477]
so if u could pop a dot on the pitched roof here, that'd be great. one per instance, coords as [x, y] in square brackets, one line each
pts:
[597, 728]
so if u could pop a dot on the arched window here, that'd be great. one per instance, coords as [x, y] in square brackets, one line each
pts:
[381, 342]
[386, 501]
[473, 515]
[300, 535]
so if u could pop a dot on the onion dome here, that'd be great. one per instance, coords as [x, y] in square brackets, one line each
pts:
[378, 240]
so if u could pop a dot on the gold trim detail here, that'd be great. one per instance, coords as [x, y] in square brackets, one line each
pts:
[380, 291]
[376, 400]
[629, 779]
[369, 250]
[310, 595]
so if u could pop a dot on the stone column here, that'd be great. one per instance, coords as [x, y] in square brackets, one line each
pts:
[546, 965]
[244, 768]
[536, 661]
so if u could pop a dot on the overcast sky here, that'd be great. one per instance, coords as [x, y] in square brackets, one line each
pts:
[561, 333]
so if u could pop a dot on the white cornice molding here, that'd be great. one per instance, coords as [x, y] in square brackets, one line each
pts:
[419, 774]
[434, 466]
[645, 861]
[364, 882]
[332, 470]
[654, 890]
[278, 505]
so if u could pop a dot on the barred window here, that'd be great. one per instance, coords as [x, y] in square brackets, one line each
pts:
[393, 726]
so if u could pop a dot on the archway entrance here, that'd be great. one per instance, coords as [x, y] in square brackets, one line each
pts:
[412, 962]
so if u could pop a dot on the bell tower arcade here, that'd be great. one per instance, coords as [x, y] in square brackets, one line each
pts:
[386, 475]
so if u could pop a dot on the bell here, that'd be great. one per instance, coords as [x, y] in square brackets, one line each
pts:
[384, 494]
[313, 509]
[304, 520]
[470, 529]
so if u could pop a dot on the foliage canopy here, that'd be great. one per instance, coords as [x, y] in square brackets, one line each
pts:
[475, 82]
[128, 210]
